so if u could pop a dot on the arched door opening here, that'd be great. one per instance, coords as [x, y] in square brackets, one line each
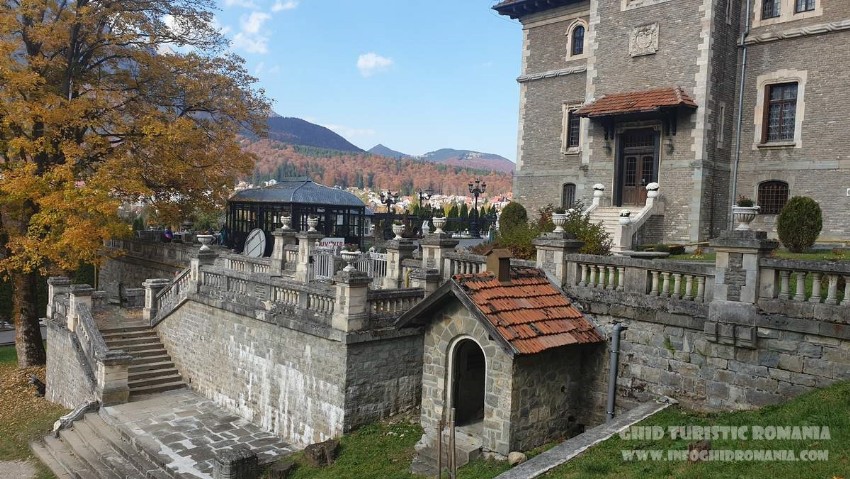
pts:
[469, 368]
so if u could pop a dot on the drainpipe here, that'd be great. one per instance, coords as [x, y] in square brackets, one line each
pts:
[740, 119]
[613, 365]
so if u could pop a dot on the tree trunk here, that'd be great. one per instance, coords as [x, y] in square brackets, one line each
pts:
[28, 340]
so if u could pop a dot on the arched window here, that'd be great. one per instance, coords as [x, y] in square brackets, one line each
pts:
[577, 47]
[568, 195]
[772, 197]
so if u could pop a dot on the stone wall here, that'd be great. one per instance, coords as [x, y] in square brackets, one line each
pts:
[554, 391]
[285, 381]
[383, 378]
[138, 262]
[69, 379]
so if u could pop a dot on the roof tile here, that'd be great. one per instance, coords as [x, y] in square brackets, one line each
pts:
[637, 102]
[529, 311]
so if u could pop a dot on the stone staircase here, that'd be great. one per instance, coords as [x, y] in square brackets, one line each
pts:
[152, 370]
[467, 448]
[92, 449]
[610, 217]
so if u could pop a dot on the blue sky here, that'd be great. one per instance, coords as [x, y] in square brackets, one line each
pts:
[413, 75]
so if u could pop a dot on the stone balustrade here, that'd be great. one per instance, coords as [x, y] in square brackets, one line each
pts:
[393, 302]
[463, 263]
[666, 279]
[805, 281]
[238, 262]
[178, 254]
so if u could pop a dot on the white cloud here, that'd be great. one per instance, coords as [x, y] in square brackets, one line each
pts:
[251, 37]
[281, 5]
[371, 63]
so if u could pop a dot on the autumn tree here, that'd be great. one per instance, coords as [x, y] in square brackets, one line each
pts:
[103, 102]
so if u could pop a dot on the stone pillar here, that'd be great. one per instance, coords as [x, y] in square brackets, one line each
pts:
[238, 462]
[552, 250]
[202, 258]
[397, 251]
[732, 312]
[282, 238]
[434, 248]
[351, 308]
[152, 287]
[306, 247]
[56, 285]
[427, 279]
[79, 294]
[113, 376]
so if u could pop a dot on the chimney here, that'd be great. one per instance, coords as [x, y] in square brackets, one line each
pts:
[499, 263]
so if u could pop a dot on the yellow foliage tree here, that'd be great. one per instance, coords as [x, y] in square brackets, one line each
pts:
[103, 102]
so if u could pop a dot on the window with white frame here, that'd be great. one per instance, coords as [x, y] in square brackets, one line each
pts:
[780, 109]
[571, 135]
[770, 12]
[576, 45]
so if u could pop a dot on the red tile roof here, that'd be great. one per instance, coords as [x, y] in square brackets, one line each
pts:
[530, 313]
[637, 102]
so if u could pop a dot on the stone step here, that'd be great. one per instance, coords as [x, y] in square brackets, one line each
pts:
[70, 464]
[149, 350]
[129, 328]
[135, 384]
[150, 373]
[43, 455]
[108, 454]
[162, 358]
[122, 446]
[135, 393]
[467, 448]
[145, 366]
[122, 343]
[93, 460]
[113, 335]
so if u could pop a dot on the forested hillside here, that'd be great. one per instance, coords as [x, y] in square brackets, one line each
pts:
[339, 168]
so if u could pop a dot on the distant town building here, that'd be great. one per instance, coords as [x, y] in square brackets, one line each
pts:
[712, 99]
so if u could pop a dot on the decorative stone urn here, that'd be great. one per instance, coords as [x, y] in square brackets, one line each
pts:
[744, 215]
[312, 222]
[559, 219]
[206, 241]
[350, 257]
[286, 222]
[598, 190]
[625, 217]
[438, 224]
[652, 190]
[398, 230]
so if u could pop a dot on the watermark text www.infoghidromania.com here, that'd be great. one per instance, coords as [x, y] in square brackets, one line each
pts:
[726, 455]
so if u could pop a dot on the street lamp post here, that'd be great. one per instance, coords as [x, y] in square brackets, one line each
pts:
[425, 195]
[476, 188]
[389, 198]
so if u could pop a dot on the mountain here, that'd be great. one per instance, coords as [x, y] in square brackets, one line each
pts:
[296, 131]
[382, 150]
[470, 159]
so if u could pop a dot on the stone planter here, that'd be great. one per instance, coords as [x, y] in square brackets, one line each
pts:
[312, 222]
[438, 224]
[206, 241]
[286, 222]
[559, 219]
[398, 230]
[652, 190]
[350, 257]
[744, 215]
[625, 220]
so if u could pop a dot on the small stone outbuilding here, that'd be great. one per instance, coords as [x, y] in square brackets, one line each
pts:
[510, 353]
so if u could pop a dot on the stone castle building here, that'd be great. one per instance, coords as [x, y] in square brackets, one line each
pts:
[711, 99]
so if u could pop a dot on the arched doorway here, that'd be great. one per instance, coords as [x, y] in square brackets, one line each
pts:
[469, 368]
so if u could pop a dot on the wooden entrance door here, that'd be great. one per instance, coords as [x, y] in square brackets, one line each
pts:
[638, 165]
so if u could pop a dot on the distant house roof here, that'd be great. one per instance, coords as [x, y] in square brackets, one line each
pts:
[645, 101]
[519, 8]
[298, 190]
[529, 314]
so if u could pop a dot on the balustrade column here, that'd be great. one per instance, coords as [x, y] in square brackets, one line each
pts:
[815, 298]
[700, 289]
[846, 300]
[592, 282]
[621, 278]
[584, 274]
[677, 285]
[665, 288]
[689, 285]
[832, 290]
[654, 291]
[611, 283]
[784, 290]
[801, 286]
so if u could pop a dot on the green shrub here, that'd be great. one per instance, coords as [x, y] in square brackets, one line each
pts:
[513, 216]
[596, 239]
[799, 223]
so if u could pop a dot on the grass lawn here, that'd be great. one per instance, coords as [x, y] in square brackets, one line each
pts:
[819, 255]
[23, 416]
[827, 407]
[385, 450]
